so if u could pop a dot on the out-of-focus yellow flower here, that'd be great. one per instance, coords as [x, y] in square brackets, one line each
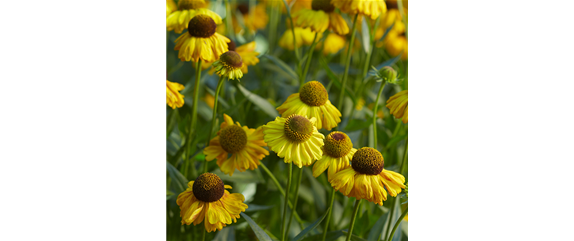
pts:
[398, 105]
[229, 65]
[303, 36]
[298, 5]
[406, 217]
[201, 41]
[248, 54]
[295, 139]
[321, 17]
[360, 103]
[380, 113]
[186, 10]
[206, 200]
[174, 98]
[333, 44]
[253, 21]
[365, 178]
[236, 147]
[209, 100]
[395, 42]
[337, 153]
[170, 6]
[371, 8]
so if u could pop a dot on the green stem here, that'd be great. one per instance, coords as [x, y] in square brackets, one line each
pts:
[193, 110]
[329, 214]
[402, 11]
[375, 113]
[203, 234]
[228, 24]
[282, 192]
[402, 171]
[397, 224]
[273, 26]
[213, 117]
[295, 202]
[308, 62]
[391, 216]
[293, 32]
[347, 63]
[357, 204]
[290, 173]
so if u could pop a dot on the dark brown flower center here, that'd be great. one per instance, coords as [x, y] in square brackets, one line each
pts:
[201, 26]
[368, 161]
[313, 93]
[232, 138]
[337, 144]
[231, 58]
[208, 187]
[298, 128]
[231, 45]
[243, 8]
[324, 5]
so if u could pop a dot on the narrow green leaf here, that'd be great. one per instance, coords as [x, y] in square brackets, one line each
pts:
[336, 81]
[332, 235]
[365, 37]
[356, 124]
[377, 229]
[178, 181]
[259, 101]
[389, 62]
[255, 207]
[171, 120]
[283, 66]
[225, 234]
[310, 227]
[261, 235]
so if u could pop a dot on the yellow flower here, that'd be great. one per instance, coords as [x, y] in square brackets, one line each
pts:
[206, 199]
[174, 98]
[170, 6]
[187, 9]
[304, 36]
[366, 177]
[398, 105]
[371, 8]
[201, 41]
[337, 152]
[298, 5]
[248, 54]
[295, 139]
[229, 65]
[245, 145]
[312, 101]
[333, 43]
[253, 21]
[395, 42]
[321, 17]
[209, 100]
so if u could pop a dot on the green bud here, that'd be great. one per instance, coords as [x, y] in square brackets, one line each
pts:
[388, 74]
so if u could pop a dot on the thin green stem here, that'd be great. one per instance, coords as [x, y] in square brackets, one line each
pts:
[308, 62]
[294, 37]
[397, 224]
[193, 110]
[402, 168]
[294, 202]
[347, 63]
[273, 26]
[357, 204]
[402, 11]
[329, 214]
[213, 117]
[282, 192]
[391, 217]
[228, 24]
[290, 173]
[203, 234]
[375, 114]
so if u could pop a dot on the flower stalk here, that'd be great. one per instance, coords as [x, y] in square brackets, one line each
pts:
[347, 63]
[375, 110]
[308, 62]
[214, 116]
[331, 201]
[290, 173]
[357, 204]
[193, 110]
[294, 202]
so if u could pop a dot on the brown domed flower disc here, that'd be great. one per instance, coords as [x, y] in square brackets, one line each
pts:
[324, 5]
[298, 128]
[231, 58]
[368, 161]
[313, 93]
[208, 187]
[232, 138]
[337, 144]
[201, 26]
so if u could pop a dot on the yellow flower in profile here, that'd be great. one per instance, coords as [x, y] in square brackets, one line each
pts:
[174, 98]
[248, 55]
[295, 139]
[366, 177]
[321, 16]
[337, 152]
[398, 105]
[206, 199]
[186, 10]
[371, 8]
[236, 147]
[253, 21]
[333, 43]
[201, 41]
[312, 101]
[395, 42]
[209, 100]
[229, 65]
[303, 36]
[170, 6]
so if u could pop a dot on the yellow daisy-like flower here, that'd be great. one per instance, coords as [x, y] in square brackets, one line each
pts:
[174, 98]
[395, 42]
[333, 43]
[248, 55]
[295, 139]
[398, 105]
[170, 6]
[321, 17]
[366, 177]
[371, 8]
[312, 101]
[206, 199]
[337, 152]
[256, 20]
[209, 100]
[304, 36]
[245, 146]
[186, 10]
[229, 65]
[201, 41]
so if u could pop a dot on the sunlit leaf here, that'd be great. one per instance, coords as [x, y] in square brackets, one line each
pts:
[178, 181]
[260, 102]
[261, 235]
[310, 227]
[282, 65]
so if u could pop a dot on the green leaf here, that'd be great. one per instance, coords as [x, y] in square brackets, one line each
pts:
[171, 120]
[225, 234]
[318, 190]
[356, 124]
[336, 81]
[365, 35]
[333, 235]
[259, 101]
[396, 139]
[310, 227]
[255, 207]
[389, 62]
[261, 235]
[283, 66]
[377, 229]
[178, 181]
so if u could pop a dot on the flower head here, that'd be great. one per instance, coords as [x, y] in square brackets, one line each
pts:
[170, 7]
[236, 147]
[178, 20]
[303, 36]
[174, 98]
[395, 42]
[312, 101]
[248, 55]
[206, 199]
[371, 8]
[398, 104]
[295, 139]
[252, 20]
[337, 152]
[229, 65]
[333, 43]
[367, 179]
[201, 41]
[321, 17]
